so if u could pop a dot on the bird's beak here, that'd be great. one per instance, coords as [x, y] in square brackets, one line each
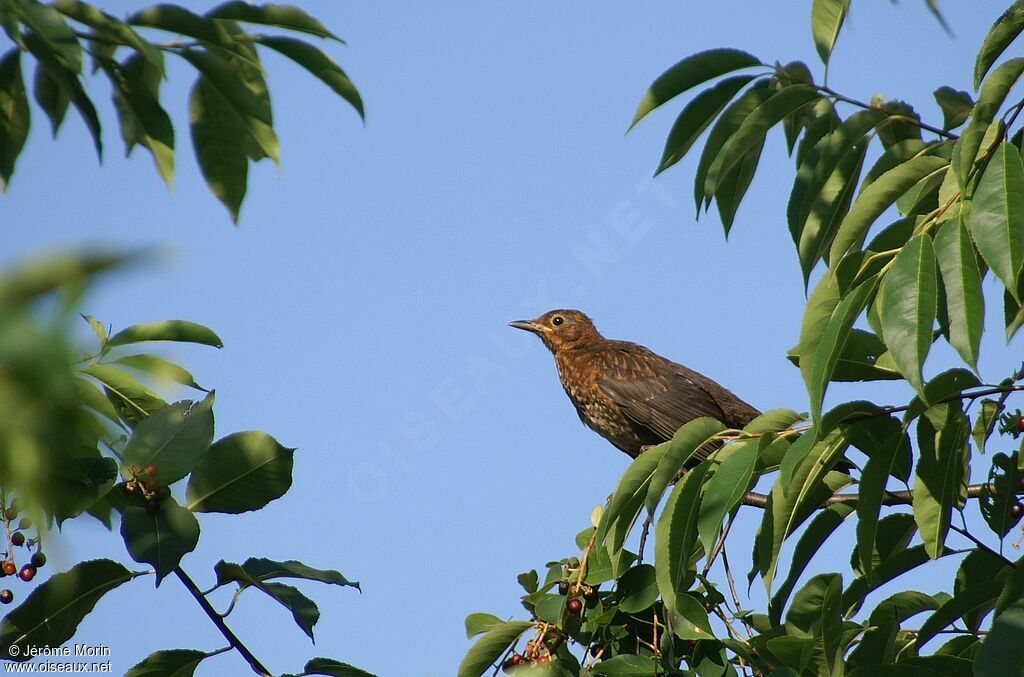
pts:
[528, 325]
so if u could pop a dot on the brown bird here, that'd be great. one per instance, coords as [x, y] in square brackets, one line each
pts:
[629, 395]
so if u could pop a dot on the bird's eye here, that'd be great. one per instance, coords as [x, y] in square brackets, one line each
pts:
[557, 320]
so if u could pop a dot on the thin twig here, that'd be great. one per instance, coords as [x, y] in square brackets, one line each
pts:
[233, 640]
[903, 118]
[757, 500]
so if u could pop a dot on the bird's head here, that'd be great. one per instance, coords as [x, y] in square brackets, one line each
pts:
[561, 329]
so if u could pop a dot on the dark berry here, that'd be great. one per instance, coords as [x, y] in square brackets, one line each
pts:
[27, 573]
[38, 559]
[589, 593]
[1016, 510]
[25, 523]
[153, 505]
[151, 470]
[512, 661]
[563, 587]
[17, 538]
[574, 606]
[9, 567]
[6, 596]
[163, 493]
[596, 650]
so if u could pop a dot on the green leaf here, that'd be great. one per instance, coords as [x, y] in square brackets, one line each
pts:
[809, 544]
[333, 668]
[1013, 314]
[878, 645]
[999, 494]
[817, 609]
[51, 98]
[961, 278]
[98, 328]
[727, 124]
[689, 618]
[26, 281]
[241, 472]
[693, 440]
[143, 119]
[690, 72]
[168, 663]
[675, 535]
[1002, 652]
[638, 589]
[726, 488]
[174, 438]
[256, 570]
[133, 401]
[979, 568]
[628, 498]
[478, 623]
[14, 114]
[220, 145]
[875, 198]
[990, 100]
[170, 330]
[985, 423]
[304, 610]
[157, 366]
[956, 106]
[827, 18]
[50, 614]
[318, 64]
[625, 665]
[59, 41]
[161, 538]
[890, 567]
[696, 117]
[111, 27]
[997, 216]
[982, 595]
[907, 303]
[941, 475]
[1004, 31]
[282, 16]
[832, 343]
[730, 187]
[488, 648]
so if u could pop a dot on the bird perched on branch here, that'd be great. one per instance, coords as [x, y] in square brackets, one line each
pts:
[629, 395]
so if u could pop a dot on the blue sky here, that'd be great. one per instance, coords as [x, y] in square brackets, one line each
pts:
[364, 296]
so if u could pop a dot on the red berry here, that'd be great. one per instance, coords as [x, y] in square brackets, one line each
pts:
[1020, 423]
[17, 538]
[6, 596]
[574, 606]
[38, 559]
[9, 567]
[151, 470]
[27, 573]
[512, 661]
[10, 514]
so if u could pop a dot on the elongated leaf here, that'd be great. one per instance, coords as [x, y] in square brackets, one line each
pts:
[161, 538]
[241, 472]
[875, 198]
[984, 594]
[333, 668]
[820, 306]
[999, 494]
[181, 331]
[133, 401]
[877, 645]
[174, 438]
[178, 20]
[56, 36]
[1005, 30]
[832, 342]
[1002, 652]
[53, 99]
[732, 186]
[907, 305]
[50, 614]
[690, 619]
[256, 570]
[809, 544]
[692, 438]
[478, 623]
[220, 145]
[956, 106]
[826, 21]
[980, 568]
[154, 365]
[638, 589]
[283, 16]
[728, 122]
[171, 662]
[143, 119]
[816, 609]
[628, 498]
[319, 64]
[304, 610]
[883, 463]
[488, 648]
[676, 535]
[724, 491]
[14, 114]
[990, 100]
[110, 26]
[961, 278]
[626, 665]
[997, 216]
[1013, 314]
[941, 475]
[696, 117]
[690, 72]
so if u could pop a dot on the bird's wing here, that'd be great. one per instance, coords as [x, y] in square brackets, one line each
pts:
[656, 393]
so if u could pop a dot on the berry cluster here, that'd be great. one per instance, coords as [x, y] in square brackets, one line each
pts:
[16, 539]
[143, 483]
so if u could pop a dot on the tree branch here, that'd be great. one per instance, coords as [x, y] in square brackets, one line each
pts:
[903, 118]
[233, 640]
[890, 498]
